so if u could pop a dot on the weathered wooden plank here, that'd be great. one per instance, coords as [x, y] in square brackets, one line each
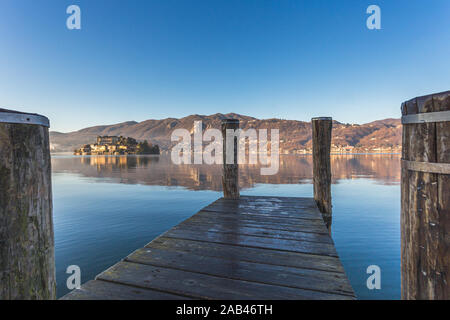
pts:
[315, 226]
[234, 268]
[282, 201]
[266, 212]
[250, 231]
[104, 290]
[277, 210]
[263, 218]
[275, 221]
[251, 241]
[269, 201]
[295, 201]
[257, 229]
[258, 255]
[203, 286]
[427, 167]
[287, 212]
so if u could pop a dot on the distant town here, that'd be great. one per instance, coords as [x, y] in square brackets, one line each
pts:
[114, 145]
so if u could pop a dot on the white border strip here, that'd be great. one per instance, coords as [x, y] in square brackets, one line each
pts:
[24, 118]
[441, 116]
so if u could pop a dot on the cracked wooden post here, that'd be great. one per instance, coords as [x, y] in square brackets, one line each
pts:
[321, 141]
[27, 259]
[230, 178]
[425, 198]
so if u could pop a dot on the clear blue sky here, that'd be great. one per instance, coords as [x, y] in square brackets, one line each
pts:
[138, 60]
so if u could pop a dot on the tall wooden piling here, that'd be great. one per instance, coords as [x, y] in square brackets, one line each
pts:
[321, 138]
[27, 262]
[230, 178]
[425, 198]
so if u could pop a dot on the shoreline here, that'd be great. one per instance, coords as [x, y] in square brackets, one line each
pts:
[166, 153]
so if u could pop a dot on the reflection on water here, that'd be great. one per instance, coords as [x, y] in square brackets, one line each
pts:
[105, 207]
[159, 170]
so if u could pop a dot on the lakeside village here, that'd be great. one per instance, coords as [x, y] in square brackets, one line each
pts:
[113, 145]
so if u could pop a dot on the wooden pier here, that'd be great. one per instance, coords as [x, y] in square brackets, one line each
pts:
[239, 247]
[246, 248]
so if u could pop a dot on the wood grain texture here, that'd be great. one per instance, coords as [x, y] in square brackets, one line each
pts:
[427, 167]
[321, 139]
[259, 255]
[234, 255]
[425, 216]
[268, 212]
[256, 242]
[242, 270]
[202, 286]
[230, 177]
[103, 290]
[238, 229]
[263, 223]
[27, 263]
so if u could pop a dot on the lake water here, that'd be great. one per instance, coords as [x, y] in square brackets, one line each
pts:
[105, 207]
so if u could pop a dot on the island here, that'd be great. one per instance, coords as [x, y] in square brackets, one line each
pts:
[114, 145]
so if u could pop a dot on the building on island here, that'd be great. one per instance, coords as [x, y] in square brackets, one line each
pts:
[103, 140]
[113, 145]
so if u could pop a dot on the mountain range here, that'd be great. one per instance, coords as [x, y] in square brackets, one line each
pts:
[295, 136]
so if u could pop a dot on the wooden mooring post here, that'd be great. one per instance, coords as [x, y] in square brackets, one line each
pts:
[321, 140]
[425, 198]
[230, 178]
[27, 262]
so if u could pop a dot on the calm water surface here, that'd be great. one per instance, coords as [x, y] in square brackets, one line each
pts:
[105, 207]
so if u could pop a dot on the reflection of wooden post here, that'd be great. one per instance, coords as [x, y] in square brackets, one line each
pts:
[230, 178]
[321, 138]
[27, 261]
[425, 189]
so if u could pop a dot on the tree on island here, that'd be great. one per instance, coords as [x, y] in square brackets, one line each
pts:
[146, 148]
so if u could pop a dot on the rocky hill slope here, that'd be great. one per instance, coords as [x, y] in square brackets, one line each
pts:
[295, 136]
